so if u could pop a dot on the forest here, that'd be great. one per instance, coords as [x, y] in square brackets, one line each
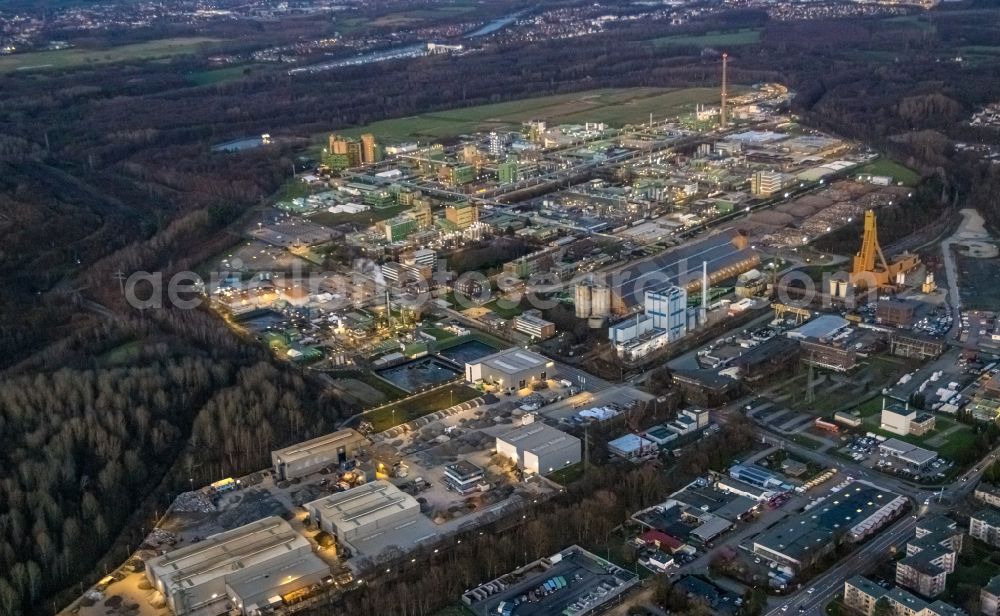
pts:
[106, 412]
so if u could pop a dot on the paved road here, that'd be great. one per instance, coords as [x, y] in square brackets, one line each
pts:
[828, 584]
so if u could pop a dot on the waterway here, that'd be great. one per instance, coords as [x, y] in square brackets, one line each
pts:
[496, 24]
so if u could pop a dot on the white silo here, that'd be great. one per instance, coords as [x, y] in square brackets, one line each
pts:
[600, 301]
[583, 300]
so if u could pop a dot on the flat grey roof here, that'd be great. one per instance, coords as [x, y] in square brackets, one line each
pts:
[332, 441]
[823, 326]
[363, 505]
[512, 361]
[909, 452]
[537, 438]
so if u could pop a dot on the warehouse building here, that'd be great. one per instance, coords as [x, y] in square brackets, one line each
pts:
[371, 509]
[855, 513]
[513, 369]
[252, 567]
[310, 456]
[538, 448]
[910, 455]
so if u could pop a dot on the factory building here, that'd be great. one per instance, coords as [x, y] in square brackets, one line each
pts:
[312, 455]
[251, 567]
[913, 344]
[665, 319]
[370, 509]
[538, 448]
[724, 255]
[512, 369]
[896, 312]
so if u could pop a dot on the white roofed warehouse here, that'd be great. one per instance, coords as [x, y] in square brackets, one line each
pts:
[251, 567]
[310, 456]
[538, 448]
[371, 509]
[511, 369]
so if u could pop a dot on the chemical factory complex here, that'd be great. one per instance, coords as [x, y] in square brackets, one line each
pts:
[509, 310]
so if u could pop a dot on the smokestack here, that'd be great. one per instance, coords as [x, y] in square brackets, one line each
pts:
[722, 112]
[704, 293]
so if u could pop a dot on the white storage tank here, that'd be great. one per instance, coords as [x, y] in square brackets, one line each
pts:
[600, 297]
[582, 300]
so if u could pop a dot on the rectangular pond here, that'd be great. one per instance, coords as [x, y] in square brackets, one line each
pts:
[419, 374]
[468, 351]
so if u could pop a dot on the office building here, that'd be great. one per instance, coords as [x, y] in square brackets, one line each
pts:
[985, 526]
[533, 325]
[463, 477]
[861, 595]
[462, 215]
[370, 509]
[513, 369]
[369, 152]
[310, 456]
[766, 183]
[901, 419]
[251, 567]
[989, 597]
[538, 448]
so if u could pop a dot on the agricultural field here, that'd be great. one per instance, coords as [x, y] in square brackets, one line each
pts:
[899, 173]
[77, 57]
[733, 38]
[616, 107]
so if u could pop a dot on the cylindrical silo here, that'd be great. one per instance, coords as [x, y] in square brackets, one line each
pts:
[600, 301]
[583, 300]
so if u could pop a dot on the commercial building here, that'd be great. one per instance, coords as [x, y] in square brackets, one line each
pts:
[356, 514]
[312, 455]
[902, 420]
[462, 216]
[632, 447]
[538, 448]
[533, 325]
[251, 567]
[758, 477]
[851, 515]
[912, 456]
[985, 526]
[572, 581]
[463, 477]
[989, 597]
[861, 595]
[513, 368]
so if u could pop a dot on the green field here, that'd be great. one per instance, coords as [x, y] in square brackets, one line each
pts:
[418, 406]
[219, 75]
[913, 21]
[616, 107]
[733, 38]
[899, 173]
[71, 58]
